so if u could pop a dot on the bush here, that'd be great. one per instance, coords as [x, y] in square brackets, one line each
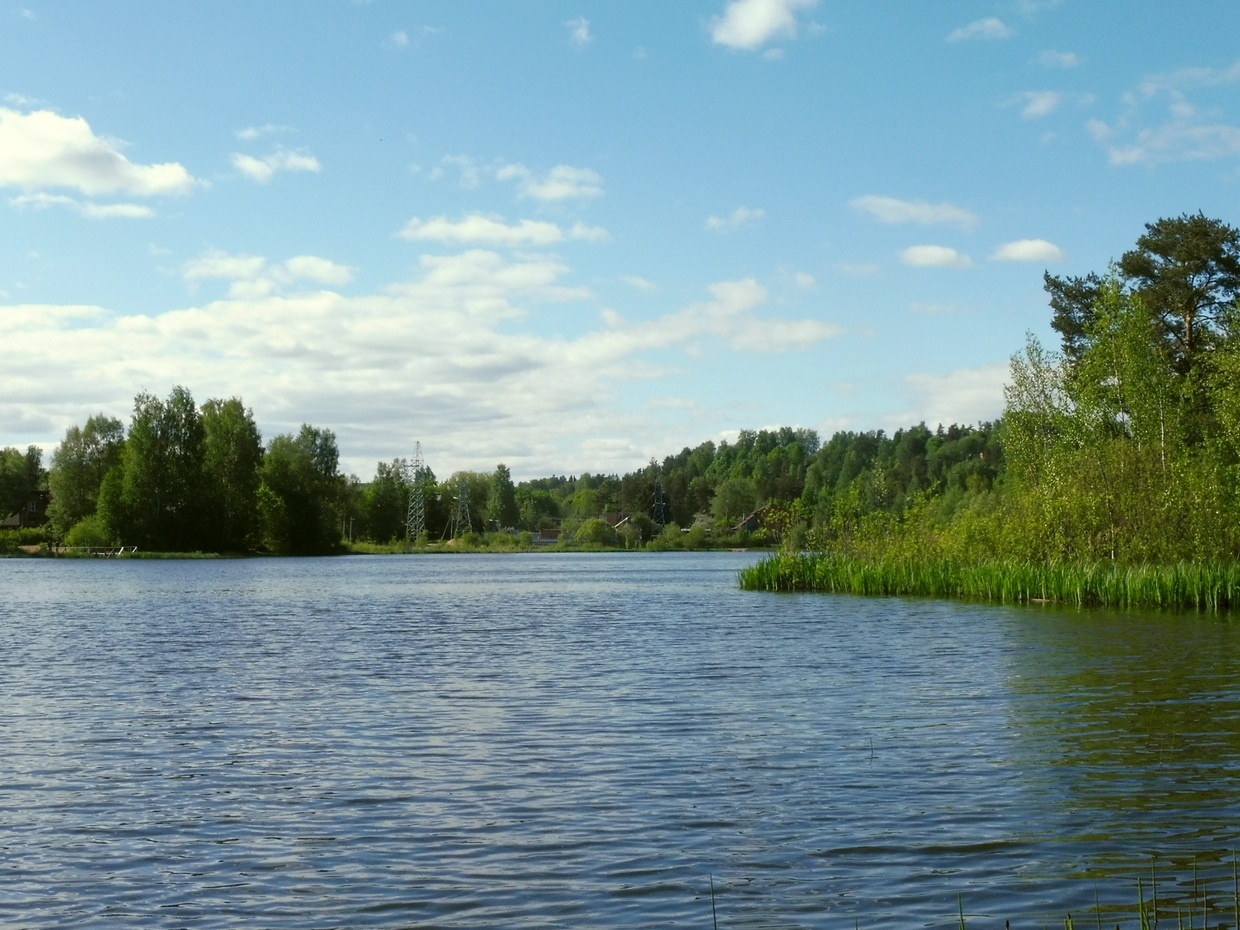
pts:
[88, 532]
[595, 532]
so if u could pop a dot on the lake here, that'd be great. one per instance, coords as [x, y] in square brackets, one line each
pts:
[591, 740]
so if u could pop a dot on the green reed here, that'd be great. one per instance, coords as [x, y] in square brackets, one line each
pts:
[1213, 587]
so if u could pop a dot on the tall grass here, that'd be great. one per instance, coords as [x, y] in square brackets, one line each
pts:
[1202, 586]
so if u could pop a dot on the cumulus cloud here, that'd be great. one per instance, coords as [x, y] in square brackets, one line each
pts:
[43, 150]
[1186, 134]
[739, 218]
[93, 211]
[264, 169]
[563, 182]
[642, 284]
[991, 28]
[579, 32]
[728, 316]
[1040, 103]
[1179, 141]
[1028, 250]
[486, 229]
[250, 133]
[934, 256]
[892, 210]
[251, 276]
[1053, 59]
[750, 24]
[438, 357]
[966, 396]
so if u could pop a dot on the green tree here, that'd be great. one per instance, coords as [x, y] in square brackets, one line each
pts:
[385, 502]
[232, 456]
[299, 495]
[163, 505]
[79, 464]
[21, 475]
[1187, 270]
[735, 498]
[502, 510]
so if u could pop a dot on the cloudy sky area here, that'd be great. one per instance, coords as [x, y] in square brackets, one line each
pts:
[572, 236]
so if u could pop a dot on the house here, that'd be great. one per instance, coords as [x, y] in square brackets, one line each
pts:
[32, 513]
[753, 522]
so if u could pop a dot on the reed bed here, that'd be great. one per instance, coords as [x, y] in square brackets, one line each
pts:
[1209, 587]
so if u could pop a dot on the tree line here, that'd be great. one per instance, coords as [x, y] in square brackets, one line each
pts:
[1123, 444]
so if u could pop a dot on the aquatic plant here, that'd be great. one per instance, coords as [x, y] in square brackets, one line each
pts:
[1213, 586]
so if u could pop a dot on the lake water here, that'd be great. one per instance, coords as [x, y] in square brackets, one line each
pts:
[557, 740]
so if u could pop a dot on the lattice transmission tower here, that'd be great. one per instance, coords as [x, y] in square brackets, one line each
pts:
[415, 521]
[462, 523]
[658, 503]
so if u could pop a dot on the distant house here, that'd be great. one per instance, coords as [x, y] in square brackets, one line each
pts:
[32, 513]
[547, 537]
[616, 519]
[753, 522]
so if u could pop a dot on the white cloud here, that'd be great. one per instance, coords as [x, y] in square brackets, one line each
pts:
[436, 357]
[1179, 141]
[1188, 133]
[1176, 82]
[892, 210]
[1040, 103]
[563, 182]
[729, 317]
[468, 168]
[399, 39]
[934, 256]
[263, 170]
[640, 283]
[1053, 59]
[579, 32]
[965, 396]
[750, 24]
[484, 229]
[1099, 130]
[251, 276]
[250, 133]
[991, 28]
[42, 149]
[94, 211]
[739, 218]
[1029, 250]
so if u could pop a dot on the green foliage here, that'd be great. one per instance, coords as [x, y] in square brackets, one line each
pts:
[162, 476]
[79, 464]
[385, 503]
[1184, 585]
[595, 533]
[21, 474]
[300, 493]
[232, 456]
[89, 532]
[502, 510]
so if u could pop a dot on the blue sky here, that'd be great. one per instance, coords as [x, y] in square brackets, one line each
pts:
[573, 236]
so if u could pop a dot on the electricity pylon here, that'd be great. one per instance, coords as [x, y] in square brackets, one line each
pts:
[415, 521]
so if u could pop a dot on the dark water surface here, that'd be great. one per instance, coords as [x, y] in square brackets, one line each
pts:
[583, 741]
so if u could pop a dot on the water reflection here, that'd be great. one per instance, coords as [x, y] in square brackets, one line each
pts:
[1129, 733]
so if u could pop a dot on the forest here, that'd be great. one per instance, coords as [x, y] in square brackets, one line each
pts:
[1120, 444]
